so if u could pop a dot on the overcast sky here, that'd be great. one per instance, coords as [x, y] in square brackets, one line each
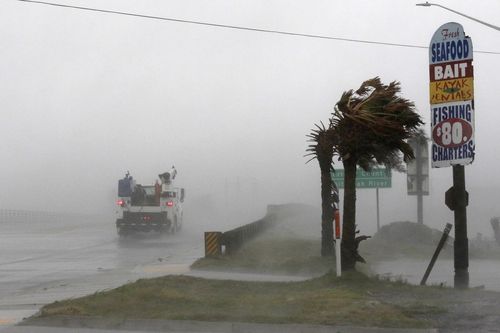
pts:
[85, 96]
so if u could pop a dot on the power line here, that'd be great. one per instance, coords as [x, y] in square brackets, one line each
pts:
[235, 27]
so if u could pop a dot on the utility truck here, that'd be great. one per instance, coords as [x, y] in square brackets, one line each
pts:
[149, 208]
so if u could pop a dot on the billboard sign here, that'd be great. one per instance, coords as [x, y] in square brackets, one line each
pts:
[376, 178]
[451, 97]
[418, 168]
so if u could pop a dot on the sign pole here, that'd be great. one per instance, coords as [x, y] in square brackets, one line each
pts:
[443, 239]
[378, 213]
[461, 245]
[420, 201]
[337, 243]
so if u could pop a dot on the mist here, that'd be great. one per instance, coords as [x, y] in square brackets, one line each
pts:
[87, 96]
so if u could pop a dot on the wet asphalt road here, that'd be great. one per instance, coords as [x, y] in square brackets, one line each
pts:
[45, 261]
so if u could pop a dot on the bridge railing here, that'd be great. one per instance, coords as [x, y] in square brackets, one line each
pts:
[234, 239]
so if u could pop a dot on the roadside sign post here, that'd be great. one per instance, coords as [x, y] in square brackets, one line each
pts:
[452, 122]
[337, 244]
[337, 226]
[378, 212]
[441, 243]
[420, 201]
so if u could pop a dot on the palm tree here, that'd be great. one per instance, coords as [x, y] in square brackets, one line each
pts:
[369, 127]
[322, 150]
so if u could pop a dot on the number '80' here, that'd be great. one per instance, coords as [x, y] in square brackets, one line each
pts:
[451, 133]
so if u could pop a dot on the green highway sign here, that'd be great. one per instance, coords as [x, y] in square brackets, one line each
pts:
[376, 178]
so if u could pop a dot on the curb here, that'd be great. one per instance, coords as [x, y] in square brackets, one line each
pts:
[202, 326]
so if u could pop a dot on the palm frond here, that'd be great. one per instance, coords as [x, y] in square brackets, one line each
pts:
[372, 124]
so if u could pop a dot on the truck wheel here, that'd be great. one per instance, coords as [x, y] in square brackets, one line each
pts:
[165, 225]
[119, 229]
[174, 226]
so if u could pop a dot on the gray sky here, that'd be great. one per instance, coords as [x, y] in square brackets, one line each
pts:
[86, 96]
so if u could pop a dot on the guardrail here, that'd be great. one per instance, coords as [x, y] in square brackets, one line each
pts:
[234, 239]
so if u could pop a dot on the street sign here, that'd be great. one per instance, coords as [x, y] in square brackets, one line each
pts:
[376, 178]
[451, 97]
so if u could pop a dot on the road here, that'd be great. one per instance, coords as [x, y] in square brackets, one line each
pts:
[46, 260]
[43, 261]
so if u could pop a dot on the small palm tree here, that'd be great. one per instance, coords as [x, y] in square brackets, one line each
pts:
[322, 150]
[369, 126]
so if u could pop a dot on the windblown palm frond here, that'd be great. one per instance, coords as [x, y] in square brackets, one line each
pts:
[368, 127]
[321, 147]
[373, 121]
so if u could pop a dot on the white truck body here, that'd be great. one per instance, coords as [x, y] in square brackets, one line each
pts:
[146, 208]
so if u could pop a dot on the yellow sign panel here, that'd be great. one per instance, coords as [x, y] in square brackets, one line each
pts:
[452, 90]
[213, 243]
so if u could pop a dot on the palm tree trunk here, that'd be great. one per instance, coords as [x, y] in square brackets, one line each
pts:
[326, 211]
[349, 222]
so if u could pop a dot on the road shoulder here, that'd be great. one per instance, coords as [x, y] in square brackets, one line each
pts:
[77, 322]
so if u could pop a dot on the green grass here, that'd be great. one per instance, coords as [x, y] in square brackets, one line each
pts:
[353, 299]
[350, 300]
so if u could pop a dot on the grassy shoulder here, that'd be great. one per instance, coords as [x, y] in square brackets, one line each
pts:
[351, 300]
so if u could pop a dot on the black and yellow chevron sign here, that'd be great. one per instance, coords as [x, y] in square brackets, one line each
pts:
[213, 243]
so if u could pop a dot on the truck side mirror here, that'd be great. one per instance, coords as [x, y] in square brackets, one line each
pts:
[182, 195]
